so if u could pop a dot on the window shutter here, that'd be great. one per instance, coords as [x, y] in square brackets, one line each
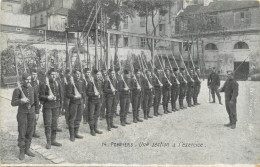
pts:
[237, 18]
[248, 17]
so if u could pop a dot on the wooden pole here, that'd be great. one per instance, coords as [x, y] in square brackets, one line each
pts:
[96, 42]
[152, 53]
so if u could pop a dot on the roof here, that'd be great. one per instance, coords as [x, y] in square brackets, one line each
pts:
[220, 6]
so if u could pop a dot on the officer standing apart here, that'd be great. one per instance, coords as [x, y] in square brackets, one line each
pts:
[35, 84]
[230, 88]
[50, 95]
[28, 106]
[76, 95]
[213, 85]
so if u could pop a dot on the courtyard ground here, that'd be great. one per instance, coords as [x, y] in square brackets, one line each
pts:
[192, 136]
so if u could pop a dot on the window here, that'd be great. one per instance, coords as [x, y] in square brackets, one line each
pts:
[162, 29]
[125, 22]
[112, 42]
[143, 42]
[41, 19]
[142, 21]
[125, 41]
[242, 18]
[9, 8]
[241, 45]
[63, 23]
[187, 46]
[161, 15]
[211, 46]
[35, 21]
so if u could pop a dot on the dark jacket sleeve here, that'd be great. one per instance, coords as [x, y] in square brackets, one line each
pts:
[235, 91]
[218, 80]
[70, 90]
[209, 79]
[222, 89]
[36, 101]
[16, 98]
[165, 82]
[107, 88]
[90, 90]
[43, 96]
[121, 86]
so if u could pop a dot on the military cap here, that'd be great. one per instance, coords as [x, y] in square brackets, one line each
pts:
[175, 69]
[86, 70]
[95, 71]
[67, 71]
[213, 68]
[76, 70]
[25, 76]
[182, 69]
[197, 68]
[117, 69]
[33, 71]
[126, 72]
[137, 70]
[52, 70]
[147, 70]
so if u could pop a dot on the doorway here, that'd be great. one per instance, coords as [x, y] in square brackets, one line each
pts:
[243, 70]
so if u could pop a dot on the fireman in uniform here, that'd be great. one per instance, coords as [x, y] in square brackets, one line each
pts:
[124, 84]
[50, 95]
[213, 85]
[136, 95]
[189, 92]
[86, 111]
[28, 111]
[110, 90]
[35, 84]
[94, 92]
[166, 91]
[196, 78]
[148, 94]
[76, 95]
[103, 98]
[183, 87]
[66, 100]
[157, 92]
[174, 89]
[230, 88]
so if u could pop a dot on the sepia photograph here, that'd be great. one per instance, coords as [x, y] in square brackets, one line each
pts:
[130, 83]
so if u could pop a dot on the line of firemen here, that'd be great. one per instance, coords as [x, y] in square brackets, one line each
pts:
[97, 94]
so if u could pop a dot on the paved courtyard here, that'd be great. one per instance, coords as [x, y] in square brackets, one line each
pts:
[192, 136]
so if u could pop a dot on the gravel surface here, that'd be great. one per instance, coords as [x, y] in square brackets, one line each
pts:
[192, 136]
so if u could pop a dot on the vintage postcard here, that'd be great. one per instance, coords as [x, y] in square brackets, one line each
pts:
[130, 83]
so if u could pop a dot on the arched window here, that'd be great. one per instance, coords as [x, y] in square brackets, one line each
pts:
[241, 45]
[211, 46]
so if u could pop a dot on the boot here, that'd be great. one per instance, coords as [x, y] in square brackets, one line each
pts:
[92, 132]
[112, 123]
[28, 152]
[122, 123]
[135, 120]
[108, 124]
[53, 139]
[139, 120]
[148, 114]
[167, 109]
[96, 130]
[164, 109]
[227, 125]
[233, 126]
[72, 137]
[59, 129]
[21, 155]
[145, 114]
[76, 133]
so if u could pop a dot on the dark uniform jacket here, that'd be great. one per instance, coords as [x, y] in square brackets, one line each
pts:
[45, 92]
[107, 87]
[189, 81]
[181, 80]
[71, 91]
[136, 91]
[146, 84]
[156, 84]
[174, 81]
[196, 79]
[90, 90]
[121, 86]
[166, 84]
[213, 79]
[30, 93]
[230, 88]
